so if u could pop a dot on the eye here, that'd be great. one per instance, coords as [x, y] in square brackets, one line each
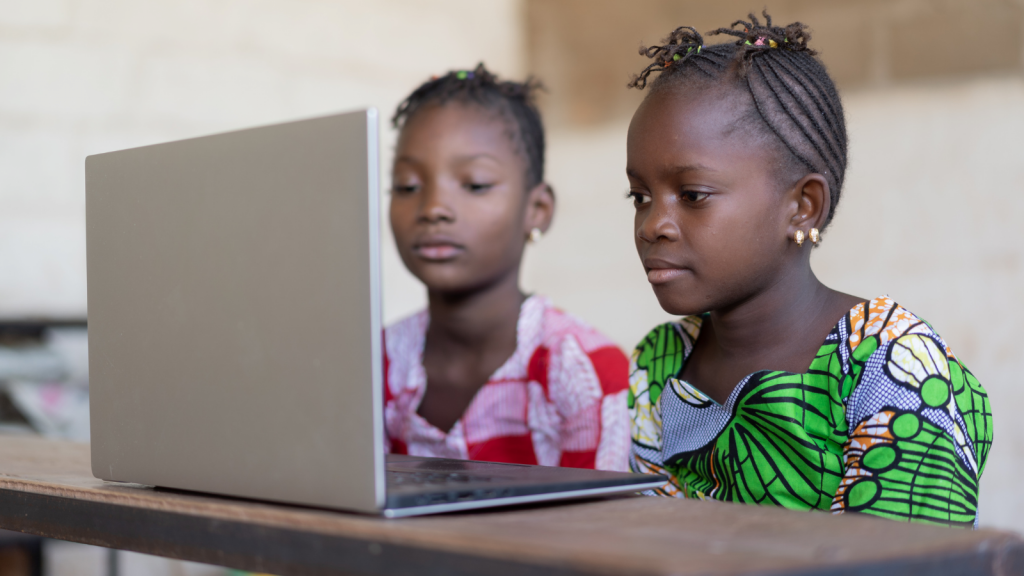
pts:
[477, 187]
[693, 197]
[404, 188]
[639, 198]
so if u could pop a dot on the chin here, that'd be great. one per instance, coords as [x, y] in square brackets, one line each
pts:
[452, 281]
[432, 272]
[681, 304]
[445, 283]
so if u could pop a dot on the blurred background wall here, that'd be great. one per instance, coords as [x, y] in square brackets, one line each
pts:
[934, 94]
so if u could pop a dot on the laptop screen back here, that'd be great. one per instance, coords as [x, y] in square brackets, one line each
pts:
[234, 313]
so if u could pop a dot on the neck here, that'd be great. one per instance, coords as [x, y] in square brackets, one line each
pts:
[475, 319]
[769, 319]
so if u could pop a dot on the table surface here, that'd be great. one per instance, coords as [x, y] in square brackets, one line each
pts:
[47, 488]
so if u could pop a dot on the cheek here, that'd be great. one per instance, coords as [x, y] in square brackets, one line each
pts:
[747, 239]
[744, 228]
[497, 231]
[496, 224]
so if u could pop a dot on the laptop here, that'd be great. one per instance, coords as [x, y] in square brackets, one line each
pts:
[235, 329]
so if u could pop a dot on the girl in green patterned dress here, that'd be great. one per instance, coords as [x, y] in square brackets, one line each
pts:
[773, 388]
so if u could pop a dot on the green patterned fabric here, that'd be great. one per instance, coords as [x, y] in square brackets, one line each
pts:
[886, 421]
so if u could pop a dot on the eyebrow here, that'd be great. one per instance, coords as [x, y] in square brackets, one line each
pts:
[460, 159]
[481, 156]
[678, 169]
[693, 168]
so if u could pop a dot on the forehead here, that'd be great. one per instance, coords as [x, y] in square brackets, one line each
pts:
[712, 125]
[460, 126]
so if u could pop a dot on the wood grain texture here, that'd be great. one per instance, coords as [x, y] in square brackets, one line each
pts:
[46, 488]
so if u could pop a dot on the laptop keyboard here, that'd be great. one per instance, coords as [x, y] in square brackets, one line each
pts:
[401, 478]
[417, 481]
[425, 488]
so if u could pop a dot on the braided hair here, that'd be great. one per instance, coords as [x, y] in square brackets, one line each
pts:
[515, 101]
[794, 98]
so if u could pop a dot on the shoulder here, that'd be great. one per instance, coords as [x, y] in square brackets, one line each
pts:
[881, 318]
[573, 350]
[559, 326]
[881, 323]
[898, 359]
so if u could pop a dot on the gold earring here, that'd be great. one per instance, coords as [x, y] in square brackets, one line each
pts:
[814, 236]
[536, 235]
[798, 237]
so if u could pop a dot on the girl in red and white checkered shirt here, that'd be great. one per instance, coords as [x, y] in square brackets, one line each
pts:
[487, 372]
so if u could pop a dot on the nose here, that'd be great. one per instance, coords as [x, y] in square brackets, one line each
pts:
[658, 223]
[435, 206]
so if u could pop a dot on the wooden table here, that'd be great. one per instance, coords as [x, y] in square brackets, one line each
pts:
[46, 488]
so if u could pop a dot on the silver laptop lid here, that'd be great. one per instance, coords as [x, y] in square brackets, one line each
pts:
[234, 313]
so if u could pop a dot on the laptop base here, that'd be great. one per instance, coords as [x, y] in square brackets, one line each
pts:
[421, 485]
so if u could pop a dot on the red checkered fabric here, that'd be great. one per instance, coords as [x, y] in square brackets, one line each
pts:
[559, 400]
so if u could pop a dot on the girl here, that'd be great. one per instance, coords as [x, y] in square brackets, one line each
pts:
[774, 388]
[486, 372]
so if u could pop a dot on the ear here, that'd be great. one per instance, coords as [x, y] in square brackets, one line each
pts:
[540, 208]
[810, 201]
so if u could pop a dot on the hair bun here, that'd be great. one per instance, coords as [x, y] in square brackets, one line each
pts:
[755, 38]
[679, 45]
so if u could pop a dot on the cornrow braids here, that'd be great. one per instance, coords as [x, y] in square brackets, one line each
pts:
[794, 97]
[515, 101]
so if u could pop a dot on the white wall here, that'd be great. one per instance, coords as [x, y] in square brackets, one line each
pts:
[79, 77]
[931, 214]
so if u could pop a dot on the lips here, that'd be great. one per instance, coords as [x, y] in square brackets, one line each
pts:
[661, 271]
[437, 248]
